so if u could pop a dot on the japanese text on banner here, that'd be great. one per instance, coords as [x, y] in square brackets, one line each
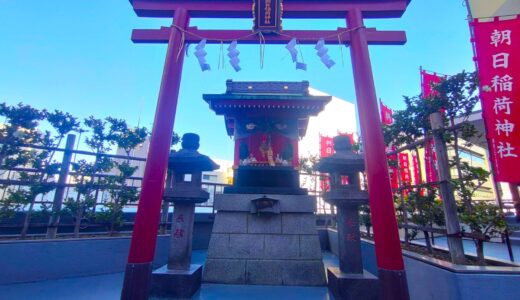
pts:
[497, 45]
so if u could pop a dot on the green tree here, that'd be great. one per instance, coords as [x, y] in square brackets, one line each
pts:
[89, 175]
[121, 192]
[19, 130]
[85, 174]
[39, 181]
[456, 96]
[484, 219]
[424, 209]
[62, 124]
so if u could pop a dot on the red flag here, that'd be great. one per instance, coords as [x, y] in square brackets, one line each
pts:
[415, 163]
[386, 114]
[427, 81]
[326, 149]
[497, 44]
[404, 166]
[430, 159]
[394, 181]
[326, 146]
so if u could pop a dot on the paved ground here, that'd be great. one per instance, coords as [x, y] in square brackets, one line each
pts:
[109, 287]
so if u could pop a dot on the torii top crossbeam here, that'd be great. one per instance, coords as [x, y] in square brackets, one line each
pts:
[388, 248]
[291, 9]
[301, 9]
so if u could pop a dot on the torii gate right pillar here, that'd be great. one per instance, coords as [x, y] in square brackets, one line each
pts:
[386, 234]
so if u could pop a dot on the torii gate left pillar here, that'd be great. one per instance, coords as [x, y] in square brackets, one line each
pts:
[387, 243]
[144, 236]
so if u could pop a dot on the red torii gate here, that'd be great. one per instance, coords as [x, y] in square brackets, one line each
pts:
[386, 236]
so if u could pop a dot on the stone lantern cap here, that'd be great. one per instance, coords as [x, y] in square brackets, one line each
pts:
[344, 160]
[188, 159]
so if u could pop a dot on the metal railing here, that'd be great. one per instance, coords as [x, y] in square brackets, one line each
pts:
[10, 181]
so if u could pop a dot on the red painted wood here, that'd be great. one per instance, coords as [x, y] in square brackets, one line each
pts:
[144, 235]
[386, 235]
[291, 8]
[374, 37]
[236, 156]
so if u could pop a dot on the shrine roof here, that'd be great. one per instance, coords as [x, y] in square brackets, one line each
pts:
[254, 97]
[274, 99]
[266, 90]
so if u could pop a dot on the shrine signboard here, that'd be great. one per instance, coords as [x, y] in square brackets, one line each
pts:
[267, 15]
[497, 43]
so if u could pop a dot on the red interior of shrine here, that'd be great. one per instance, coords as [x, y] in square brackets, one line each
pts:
[266, 119]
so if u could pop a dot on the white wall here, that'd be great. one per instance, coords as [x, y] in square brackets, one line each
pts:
[339, 115]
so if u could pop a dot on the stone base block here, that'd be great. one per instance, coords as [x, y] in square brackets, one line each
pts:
[265, 272]
[174, 283]
[352, 286]
[265, 249]
[231, 271]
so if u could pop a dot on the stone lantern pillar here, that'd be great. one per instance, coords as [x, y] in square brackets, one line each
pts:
[350, 280]
[179, 278]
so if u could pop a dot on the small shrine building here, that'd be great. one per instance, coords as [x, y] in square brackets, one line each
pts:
[266, 120]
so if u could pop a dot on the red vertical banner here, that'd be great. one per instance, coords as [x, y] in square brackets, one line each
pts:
[404, 165]
[428, 80]
[394, 181]
[386, 114]
[415, 163]
[430, 162]
[326, 149]
[404, 168]
[497, 45]
[326, 146]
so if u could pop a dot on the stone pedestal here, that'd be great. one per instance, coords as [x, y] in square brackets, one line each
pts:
[352, 286]
[280, 248]
[181, 284]
[179, 278]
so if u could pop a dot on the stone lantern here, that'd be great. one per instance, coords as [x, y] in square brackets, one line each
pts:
[350, 280]
[179, 278]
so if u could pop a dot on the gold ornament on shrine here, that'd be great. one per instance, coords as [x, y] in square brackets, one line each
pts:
[267, 16]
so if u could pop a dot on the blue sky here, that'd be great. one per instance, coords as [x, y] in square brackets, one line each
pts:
[77, 56]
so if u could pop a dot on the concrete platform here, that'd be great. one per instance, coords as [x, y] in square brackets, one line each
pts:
[108, 287]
